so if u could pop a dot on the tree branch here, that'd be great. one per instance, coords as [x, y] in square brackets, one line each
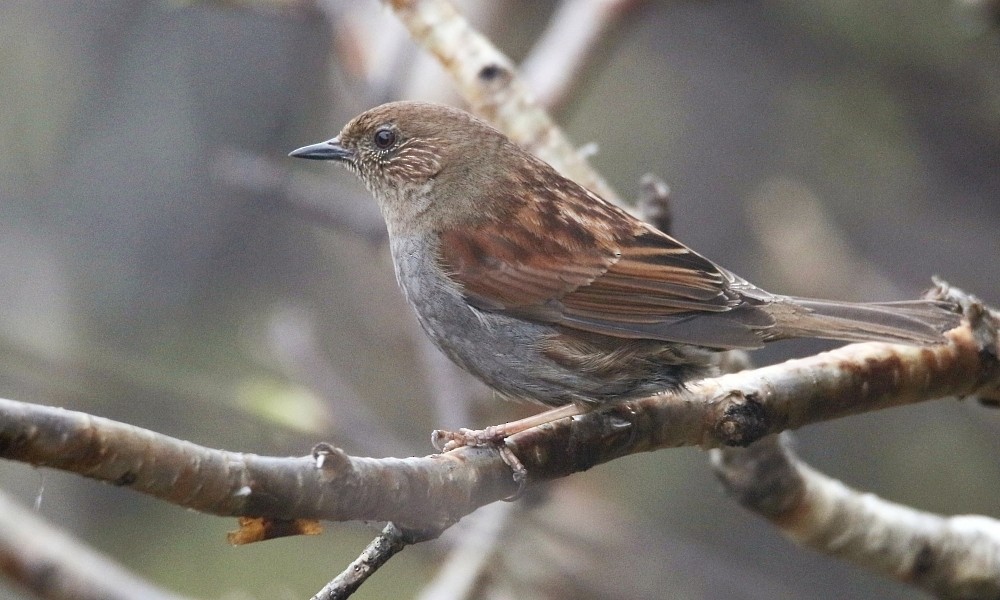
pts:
[954, 557]
[388, 543]
[432, 492]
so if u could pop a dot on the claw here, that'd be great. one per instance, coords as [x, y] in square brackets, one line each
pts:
[519, 473]
[495, 436]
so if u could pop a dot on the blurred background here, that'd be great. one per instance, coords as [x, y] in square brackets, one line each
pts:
[163, 263]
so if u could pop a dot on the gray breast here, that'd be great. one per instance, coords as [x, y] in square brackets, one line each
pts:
[498, 349]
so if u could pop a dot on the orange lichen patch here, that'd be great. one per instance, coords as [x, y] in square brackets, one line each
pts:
[259, 529]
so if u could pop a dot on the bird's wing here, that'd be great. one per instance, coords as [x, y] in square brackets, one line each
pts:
[587, 265]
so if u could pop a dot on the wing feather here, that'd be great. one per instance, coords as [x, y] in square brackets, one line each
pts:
[566, 257]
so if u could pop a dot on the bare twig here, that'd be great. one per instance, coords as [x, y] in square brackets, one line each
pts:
[954, 557]
[379, 551]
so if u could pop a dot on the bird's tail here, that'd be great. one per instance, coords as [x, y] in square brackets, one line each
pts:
[909, 322]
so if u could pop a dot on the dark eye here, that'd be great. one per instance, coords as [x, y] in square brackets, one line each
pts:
[384, 138]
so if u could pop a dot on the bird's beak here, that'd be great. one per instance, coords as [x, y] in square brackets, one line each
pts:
[330, 150]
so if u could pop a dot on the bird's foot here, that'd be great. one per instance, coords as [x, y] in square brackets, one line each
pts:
[496, 436]
[446, 441]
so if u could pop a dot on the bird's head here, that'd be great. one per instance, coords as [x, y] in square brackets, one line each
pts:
[418, 158]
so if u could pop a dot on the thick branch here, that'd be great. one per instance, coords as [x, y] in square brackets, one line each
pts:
[434, 491]
[955, 557]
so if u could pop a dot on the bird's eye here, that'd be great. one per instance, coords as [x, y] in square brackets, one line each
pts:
[384, 138]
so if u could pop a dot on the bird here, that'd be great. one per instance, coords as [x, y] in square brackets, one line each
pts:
[548, 293]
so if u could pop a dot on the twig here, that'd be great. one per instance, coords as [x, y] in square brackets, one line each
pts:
[954, 557]
[377, 553]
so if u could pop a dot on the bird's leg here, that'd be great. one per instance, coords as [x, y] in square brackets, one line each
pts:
[518, 470]
[446, 441]
[496, 435]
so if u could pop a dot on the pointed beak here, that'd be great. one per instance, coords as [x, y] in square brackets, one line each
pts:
[330, 150]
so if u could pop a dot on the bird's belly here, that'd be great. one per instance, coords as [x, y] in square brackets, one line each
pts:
[511, 355]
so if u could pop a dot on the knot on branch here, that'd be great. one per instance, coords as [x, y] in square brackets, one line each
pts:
[744, 420]
[653, 203]
[495, 73]
[332, 461]
[983, 323]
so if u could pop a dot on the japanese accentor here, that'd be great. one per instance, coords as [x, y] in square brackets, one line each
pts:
[545, 291]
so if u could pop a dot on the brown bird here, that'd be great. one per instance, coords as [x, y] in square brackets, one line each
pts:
[547, 292]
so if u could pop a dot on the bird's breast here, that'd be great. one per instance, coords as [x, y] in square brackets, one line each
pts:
[437, 300]
[405, 208]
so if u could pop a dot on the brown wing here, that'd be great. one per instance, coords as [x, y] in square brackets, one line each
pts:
[620, 278]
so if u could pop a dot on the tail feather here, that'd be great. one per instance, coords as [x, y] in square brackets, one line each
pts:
[911, 322]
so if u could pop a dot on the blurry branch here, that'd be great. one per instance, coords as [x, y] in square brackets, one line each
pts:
[433, 492]
[285, 8]
[574, 34]
[985, 14]
[304, 195]
[371, 71]
[789, 220]
[486, 78]
[475, 547]
[653, 203]
[294, 343]
[52, 565]
[955, 557]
